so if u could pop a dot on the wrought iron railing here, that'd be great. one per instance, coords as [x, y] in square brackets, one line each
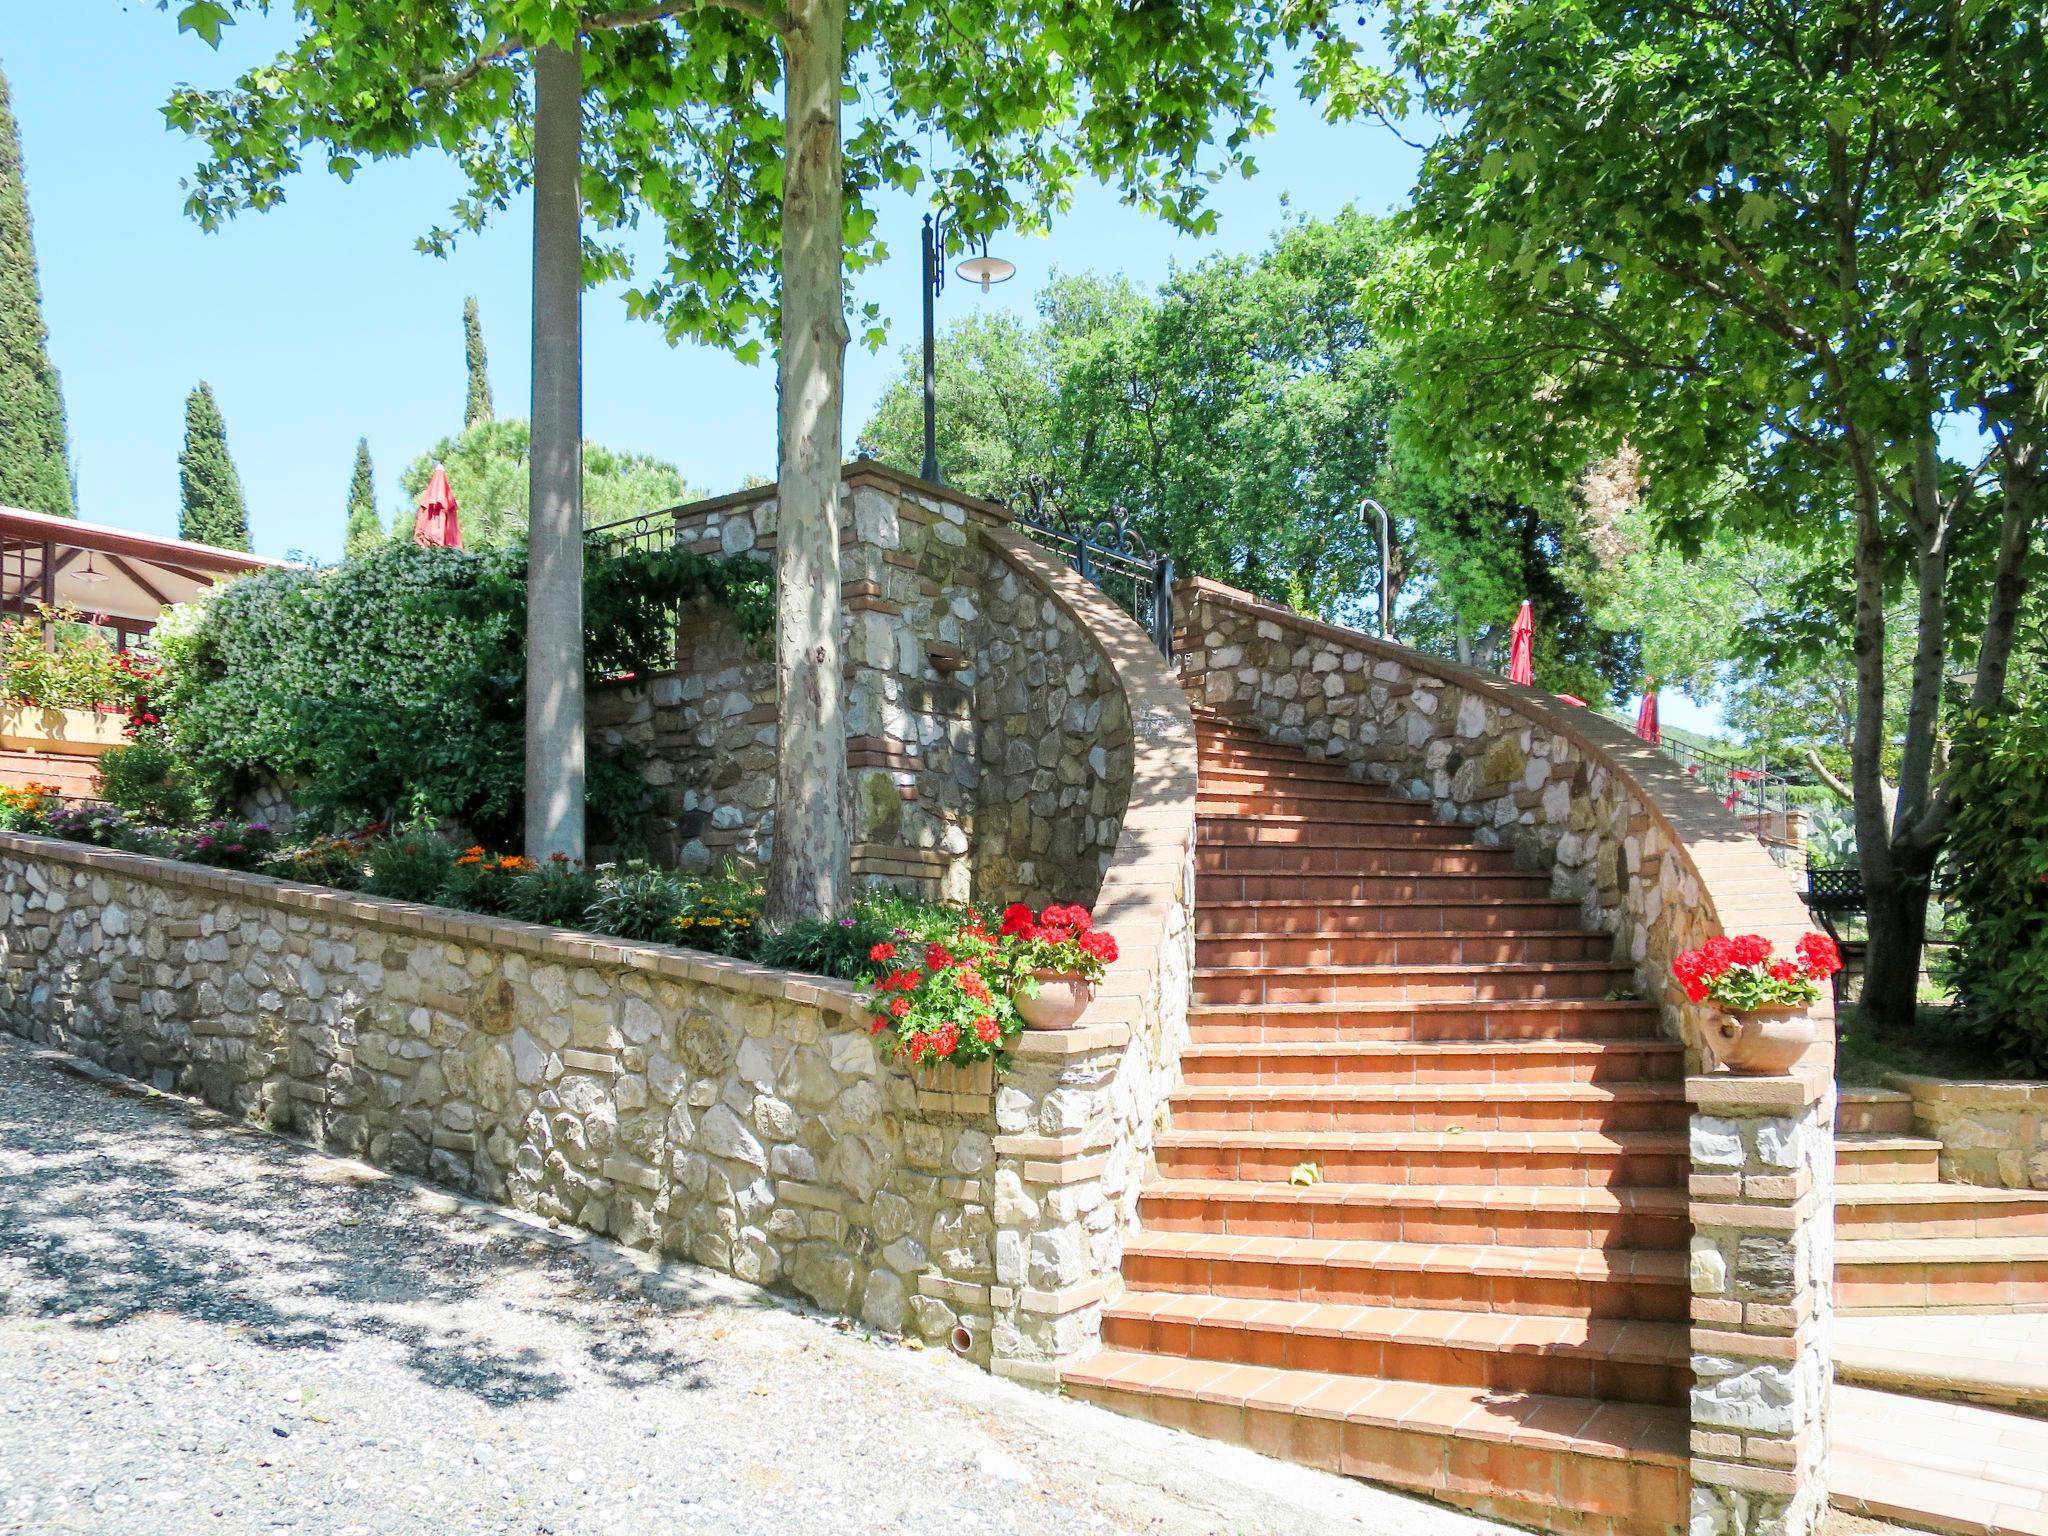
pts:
[1111, 554]
[649, 530]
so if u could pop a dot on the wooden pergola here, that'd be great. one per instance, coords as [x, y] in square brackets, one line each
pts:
[115, 578]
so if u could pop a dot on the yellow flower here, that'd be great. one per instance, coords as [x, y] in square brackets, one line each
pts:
[686, 922]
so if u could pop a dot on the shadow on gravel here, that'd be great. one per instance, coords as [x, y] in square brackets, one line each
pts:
[111, 1207]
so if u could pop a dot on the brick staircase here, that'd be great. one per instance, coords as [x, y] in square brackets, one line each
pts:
[1485, 1298]
[1907, 1242]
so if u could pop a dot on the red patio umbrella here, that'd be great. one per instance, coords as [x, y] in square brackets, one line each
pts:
[1522, 648]
[1646, 717]
[435, 522]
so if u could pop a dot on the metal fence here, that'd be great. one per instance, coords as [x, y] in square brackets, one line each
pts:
[649, 530]
[1119, 562]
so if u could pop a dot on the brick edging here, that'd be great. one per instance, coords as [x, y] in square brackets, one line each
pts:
[446, 923]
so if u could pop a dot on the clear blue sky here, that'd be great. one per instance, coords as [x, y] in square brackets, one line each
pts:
[317, 322]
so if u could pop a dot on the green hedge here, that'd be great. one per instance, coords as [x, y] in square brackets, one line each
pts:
[394, 684]
[1994, 876]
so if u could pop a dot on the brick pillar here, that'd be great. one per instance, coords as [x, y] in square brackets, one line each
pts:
[1762, 1269]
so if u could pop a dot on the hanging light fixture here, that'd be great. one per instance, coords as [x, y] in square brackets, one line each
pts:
[90, 572]
[985, 269]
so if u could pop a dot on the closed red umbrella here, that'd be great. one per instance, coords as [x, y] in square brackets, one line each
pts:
[1522, 648]
[1646, 717]
[435, 522]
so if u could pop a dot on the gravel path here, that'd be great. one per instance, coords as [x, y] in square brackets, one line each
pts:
[208, 1329]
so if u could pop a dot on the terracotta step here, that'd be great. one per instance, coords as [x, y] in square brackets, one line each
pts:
[1331, 831]
[1597, 1158]
[1887, 1160]
[1512, 1215]
[1219, 775]
[1647, 1285]
[1349, 800]
[1410, 983]
[1873, 1112]
[1955, 1274]
[1544, 914]
[1495, 1019]
[1361, 1062]
[1431, 1107]
[1938, 1466]
[1999, 1362]
[1560, 1464]
[1217, 885]
[1294, 949]
[1391, 856]
[1621, 1361]
[1938, 1211]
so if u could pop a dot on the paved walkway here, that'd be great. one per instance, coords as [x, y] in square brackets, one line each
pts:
[203, 1328]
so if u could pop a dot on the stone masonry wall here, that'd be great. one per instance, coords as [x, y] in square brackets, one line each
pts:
[708, 1108]
[910, 569]
[1762, 1271]
[1991, 1133]
[1055, 746]
[1652, 857]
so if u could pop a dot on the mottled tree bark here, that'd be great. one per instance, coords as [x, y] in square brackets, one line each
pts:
[809, 870]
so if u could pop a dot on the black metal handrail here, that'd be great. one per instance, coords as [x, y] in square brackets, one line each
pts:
[648, 530]
[1110, 553]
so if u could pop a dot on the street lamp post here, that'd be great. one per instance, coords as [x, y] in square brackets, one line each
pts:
[1386, 566]
[984, 270]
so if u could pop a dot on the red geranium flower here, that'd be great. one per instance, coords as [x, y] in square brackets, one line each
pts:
[882, 952]
[882, 1022]
[937, 956]
[1100, 945]
[987, 1031]
[947, 1037]
[972, 984]
[1017, 917]
[899, 1006]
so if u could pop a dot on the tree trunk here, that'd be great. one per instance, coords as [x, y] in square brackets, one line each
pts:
[554, 579]
[809, 868]
[1898, 936]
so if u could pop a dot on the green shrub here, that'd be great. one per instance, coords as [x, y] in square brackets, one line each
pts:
[556, 892]
[225, 843]
[413, 866]
[721, 913]
[340, 860]
[395, 682]
[840, 946]
[1994, 877]
[640, 903]
[146, 780]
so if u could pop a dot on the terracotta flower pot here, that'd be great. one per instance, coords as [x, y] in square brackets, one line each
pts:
[1060, 1001]
[1767, 1040]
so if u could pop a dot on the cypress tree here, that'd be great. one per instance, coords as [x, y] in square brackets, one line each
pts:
[479, 406]
[364, 532]
[212, 511]
[34, 472]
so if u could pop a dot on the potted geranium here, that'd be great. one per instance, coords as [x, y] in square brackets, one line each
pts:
[1055, 958]
[942, 1004]
[1764, 996]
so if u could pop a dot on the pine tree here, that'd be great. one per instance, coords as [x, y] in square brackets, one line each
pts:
[364, 532]
[34, 472]
[479, 407]
[212, 511]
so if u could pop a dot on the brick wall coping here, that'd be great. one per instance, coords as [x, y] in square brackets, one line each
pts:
[858, 472]
[1745, 890]
[1976, 1092]
[412, 917]
[1144, 878]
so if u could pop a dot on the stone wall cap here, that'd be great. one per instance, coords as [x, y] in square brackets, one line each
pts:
[446, 922]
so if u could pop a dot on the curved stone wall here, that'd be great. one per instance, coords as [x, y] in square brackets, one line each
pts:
[1651, 855]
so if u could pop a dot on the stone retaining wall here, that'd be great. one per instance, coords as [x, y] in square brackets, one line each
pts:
[1991, 1133]
[1655, 860]
[709, 1108]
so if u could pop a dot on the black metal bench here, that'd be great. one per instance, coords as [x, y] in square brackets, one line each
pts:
[1833, 893]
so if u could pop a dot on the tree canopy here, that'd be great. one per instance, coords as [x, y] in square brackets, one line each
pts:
[34, 471]
[487, 469]
[211, 509]
[1789, 247]
[363, 532]
[477, 364]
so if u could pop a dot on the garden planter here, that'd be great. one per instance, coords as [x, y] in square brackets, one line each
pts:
[1061, 1000]
[1765, 1040]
